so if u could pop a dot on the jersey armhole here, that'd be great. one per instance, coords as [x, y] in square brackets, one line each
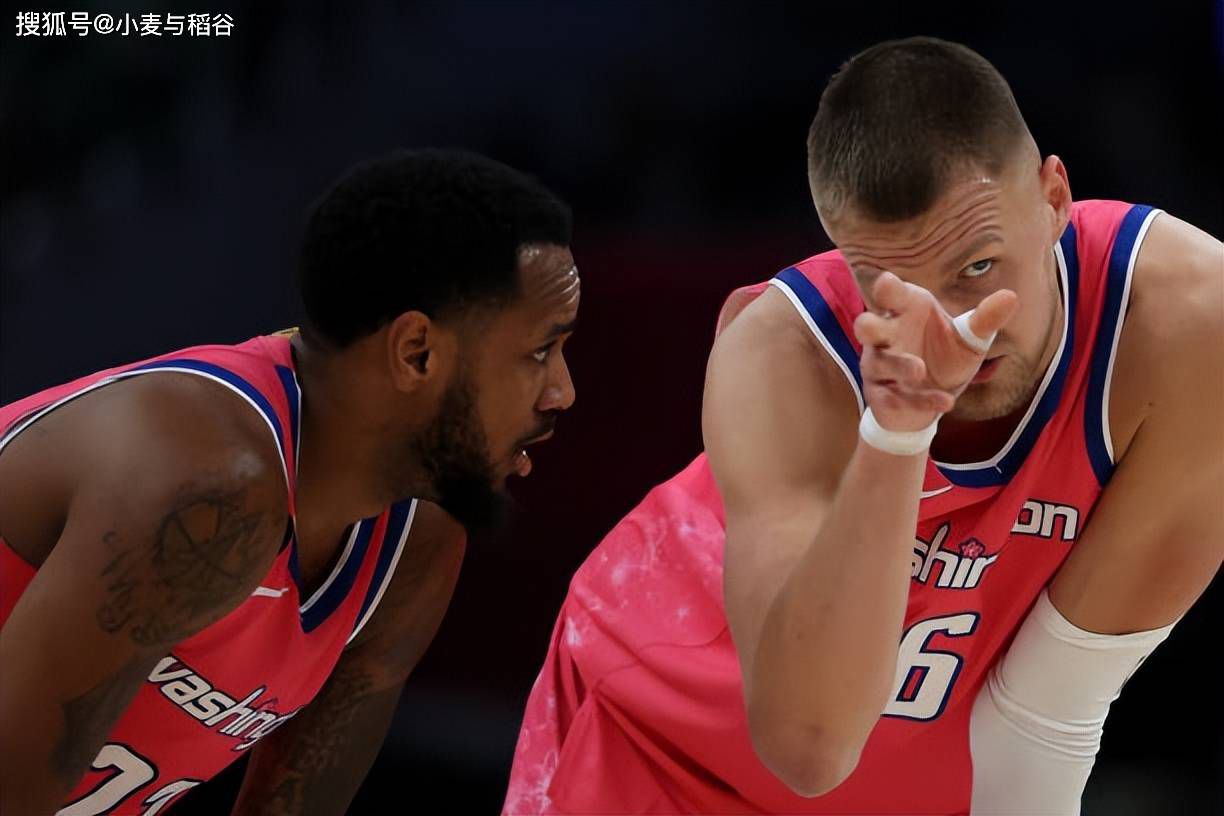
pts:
[399, 525]
[1118, 279]
[815, 311]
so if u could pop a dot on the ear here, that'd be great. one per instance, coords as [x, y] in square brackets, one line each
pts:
[1056, 190]
[412, 350]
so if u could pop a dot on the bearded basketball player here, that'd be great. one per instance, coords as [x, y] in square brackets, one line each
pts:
[962, 475]
[245, 549]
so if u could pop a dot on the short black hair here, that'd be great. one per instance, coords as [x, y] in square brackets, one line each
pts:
[897, 119]
[436, 231]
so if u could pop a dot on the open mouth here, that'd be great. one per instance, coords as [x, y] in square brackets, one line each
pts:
[987, 370]
[521, 463]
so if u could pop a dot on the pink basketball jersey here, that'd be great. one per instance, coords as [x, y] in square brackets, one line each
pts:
[639, 707]
[220, 691]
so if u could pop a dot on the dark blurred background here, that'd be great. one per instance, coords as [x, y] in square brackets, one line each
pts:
[154, 189]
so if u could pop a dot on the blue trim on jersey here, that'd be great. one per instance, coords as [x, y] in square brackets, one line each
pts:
[287, 541]
[339, 588]
[1006, 468]
[252, 393]
[397, 518]
[289, 383]
[1103, 348]
[818, 309]
[295, 569]
[293, 395]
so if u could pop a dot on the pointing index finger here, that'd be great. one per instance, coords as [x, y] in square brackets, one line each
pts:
[977, 327]
[993, 313]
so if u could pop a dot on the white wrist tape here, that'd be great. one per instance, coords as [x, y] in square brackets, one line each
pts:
[1037, 722]
[898, 443]
[974, 341]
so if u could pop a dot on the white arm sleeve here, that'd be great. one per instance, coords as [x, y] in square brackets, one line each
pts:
[1037, 723]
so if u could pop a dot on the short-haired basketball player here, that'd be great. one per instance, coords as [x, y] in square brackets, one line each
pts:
[233, 549]
[962, 475]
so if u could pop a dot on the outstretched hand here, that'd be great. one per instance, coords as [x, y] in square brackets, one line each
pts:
[915, 363]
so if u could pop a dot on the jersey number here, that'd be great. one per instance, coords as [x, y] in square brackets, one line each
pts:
[925, 676]
[132, 771]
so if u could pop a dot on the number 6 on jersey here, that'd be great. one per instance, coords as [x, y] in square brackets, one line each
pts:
[925, 676]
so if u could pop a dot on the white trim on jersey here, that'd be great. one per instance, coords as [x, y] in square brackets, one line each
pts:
[39, 414]
[399, 549]
[820, 336]
[344, 557]
[11, 435]
[1113, 347]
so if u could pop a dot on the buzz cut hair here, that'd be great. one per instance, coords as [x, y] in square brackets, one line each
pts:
[899, 120]
[437, 231]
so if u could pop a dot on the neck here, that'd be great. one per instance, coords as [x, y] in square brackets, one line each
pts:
[338, 464]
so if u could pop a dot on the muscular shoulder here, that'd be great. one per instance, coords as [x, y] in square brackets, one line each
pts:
[1177, 300]
[136, 448]
[174, 512]
[1172, 345]
[189, 417]
[1158, 514]
[768, 340]
[778, 412]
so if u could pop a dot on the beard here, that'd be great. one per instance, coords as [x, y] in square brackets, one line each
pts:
[1008, 391]
[1018, 378]
[1013, 386]
[453, 455]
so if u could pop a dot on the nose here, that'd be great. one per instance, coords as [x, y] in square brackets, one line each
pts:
[558, 394]
[957, 303]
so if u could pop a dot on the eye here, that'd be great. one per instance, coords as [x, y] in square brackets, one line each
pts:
[978, 268]
[540, 355]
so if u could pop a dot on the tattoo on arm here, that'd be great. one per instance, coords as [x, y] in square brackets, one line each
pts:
[317, 762]
[88, 719]
[202, 552]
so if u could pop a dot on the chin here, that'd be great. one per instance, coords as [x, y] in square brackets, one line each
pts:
[972, 407]
[999, 397]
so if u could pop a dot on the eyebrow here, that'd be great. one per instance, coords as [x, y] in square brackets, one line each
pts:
[982, 240]
[559, 329]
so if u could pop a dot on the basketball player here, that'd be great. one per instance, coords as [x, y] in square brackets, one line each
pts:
[961, 477]
[233, 549]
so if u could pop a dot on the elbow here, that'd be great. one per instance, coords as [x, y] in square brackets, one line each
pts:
[808, 760]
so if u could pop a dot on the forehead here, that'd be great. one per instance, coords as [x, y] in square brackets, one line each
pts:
[963, 211]
[549, 287]
[547, 274]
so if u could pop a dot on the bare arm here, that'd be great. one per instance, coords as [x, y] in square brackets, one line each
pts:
[815, 609]
[819, 526]
[314, 765]
[165, 533]
[1155, 540]
[1148, 522]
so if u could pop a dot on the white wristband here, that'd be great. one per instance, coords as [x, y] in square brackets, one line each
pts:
[971, 338]
[898, 443]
